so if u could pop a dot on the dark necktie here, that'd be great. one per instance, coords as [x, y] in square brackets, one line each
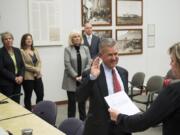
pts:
[116, 83]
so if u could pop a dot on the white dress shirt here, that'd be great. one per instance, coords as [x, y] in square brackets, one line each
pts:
[109, 80]
[89, 38]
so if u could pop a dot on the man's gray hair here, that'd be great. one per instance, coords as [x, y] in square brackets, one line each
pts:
[107, 42]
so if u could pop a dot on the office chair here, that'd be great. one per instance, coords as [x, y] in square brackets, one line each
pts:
[72, 126]
[47, 110]
[153, 86]
[136, 84]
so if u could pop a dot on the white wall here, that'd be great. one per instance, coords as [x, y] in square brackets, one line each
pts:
[164, 14]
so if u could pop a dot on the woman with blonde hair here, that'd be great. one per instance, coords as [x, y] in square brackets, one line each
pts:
[76, 60]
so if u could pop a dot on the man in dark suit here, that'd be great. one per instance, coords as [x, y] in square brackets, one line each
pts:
[98, 83]
[91, 40]
[11, 67]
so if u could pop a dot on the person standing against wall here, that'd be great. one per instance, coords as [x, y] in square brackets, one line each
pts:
[11, 68]
[32, 77]
[91, 40]
[76, 60]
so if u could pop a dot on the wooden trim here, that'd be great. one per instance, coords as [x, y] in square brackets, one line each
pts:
[64, 102]
[61, 102]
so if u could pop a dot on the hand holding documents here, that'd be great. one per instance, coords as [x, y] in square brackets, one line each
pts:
[121, 102]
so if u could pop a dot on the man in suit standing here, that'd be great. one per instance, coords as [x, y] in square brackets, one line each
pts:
[97, 83]
[91, 40]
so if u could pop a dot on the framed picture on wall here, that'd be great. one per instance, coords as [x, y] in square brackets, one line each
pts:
[103, 33]
[130, 41]
[97, 12]
[129, 12]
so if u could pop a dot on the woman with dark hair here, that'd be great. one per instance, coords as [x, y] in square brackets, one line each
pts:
[11, 68]
[165, 109]
[32, 76]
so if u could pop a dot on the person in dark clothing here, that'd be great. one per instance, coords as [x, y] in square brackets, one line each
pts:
[11, 68]
[99, 82]
[170, 75]
[91, 41]
[165, 109]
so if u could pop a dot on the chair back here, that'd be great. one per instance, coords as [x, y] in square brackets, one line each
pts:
[47, 110]
[154, 84]
[80, 130]
[138, 79]
[72, 126]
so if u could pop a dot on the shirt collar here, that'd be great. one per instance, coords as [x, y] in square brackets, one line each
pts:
[89, 36]
[106, 68]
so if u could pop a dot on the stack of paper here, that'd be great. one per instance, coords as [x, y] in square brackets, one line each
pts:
[121, 102]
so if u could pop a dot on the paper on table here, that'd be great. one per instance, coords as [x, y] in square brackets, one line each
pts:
[121, 102]
[3, 132]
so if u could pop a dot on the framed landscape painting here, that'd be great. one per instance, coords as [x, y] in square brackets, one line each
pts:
[97, 12]
[129, 41]
[103, 33]
[129, 12]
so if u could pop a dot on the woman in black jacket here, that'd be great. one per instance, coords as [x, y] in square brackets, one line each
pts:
[11, 68]
[165, 109]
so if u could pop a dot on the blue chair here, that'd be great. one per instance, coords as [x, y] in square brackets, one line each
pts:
[72, 126]
[47, 110]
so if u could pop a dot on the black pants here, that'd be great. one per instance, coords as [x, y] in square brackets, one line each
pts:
[10, 90]
[29, 86]
[72, 106]
[114, 130]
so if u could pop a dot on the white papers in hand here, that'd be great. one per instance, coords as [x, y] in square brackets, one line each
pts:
[121, 102]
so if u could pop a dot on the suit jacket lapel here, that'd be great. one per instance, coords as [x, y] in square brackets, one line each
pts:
[92, 41]
[7, 56]
[16, 57]
[102, 83]
[123, 78]
[121, 75]
[28, 57]
[85, 41]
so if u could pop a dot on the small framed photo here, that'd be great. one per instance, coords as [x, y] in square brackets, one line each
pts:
[103, 33]
[129, 41]
[129, 12]
[97, 12]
